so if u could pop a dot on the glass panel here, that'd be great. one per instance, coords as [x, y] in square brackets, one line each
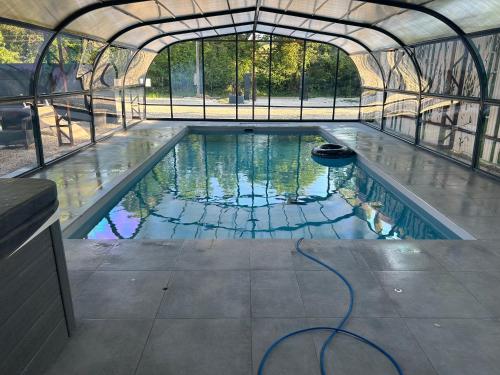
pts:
[371, 107]
[488, 46]
[64, 124]
[399, 71]
[449, 126]
[261, 89]
[107, 111]
[158, 94]
[245, 75]
[447, 69]
[220, 78]
[346, 113]
[19, 49]
[490, 152]
[134, 105]
[285, 113]
[319, 80]
[187, 79]
[286, 75]
[110, 70]
[17, 145]
[138, 68]
[68, 65]
[368, 70]
[400, 114]
[348, 84]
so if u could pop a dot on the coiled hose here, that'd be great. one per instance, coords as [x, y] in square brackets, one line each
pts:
[333, 330]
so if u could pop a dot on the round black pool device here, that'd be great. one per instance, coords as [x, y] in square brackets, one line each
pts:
[333, 155]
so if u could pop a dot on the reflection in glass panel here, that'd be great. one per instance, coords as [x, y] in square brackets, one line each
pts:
[286, 74]
[107, 111]
[319, 81]
[158, 87]
[449, 126]
[399, 71]
[369, 71]
[447, 69]
[187, 79]
[371, 107]
[19, 49]
[68, 65]
[64, 124]
[110, 70]
[348, 83]
[400, 114]
[134, 104]
[245, 75]
[233, 186]
[490, 152]
[17, 145]
[220, 77]
[261, 90]
[488, 46]
[138, 68]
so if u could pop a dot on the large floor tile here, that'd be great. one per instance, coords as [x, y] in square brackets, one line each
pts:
[346, 355]
[459, 346]
[295, 356]
[275, 294]
[121, 294]
[465, 255]
[271, 257]
[102, 347]
[142, 255]
[207, 294]
[485, 286]
[77, 280]
[334, 253]
[325, 295]
[214, 255]
[396, 256]
[86, 254]
[198, 346]
[422, 294]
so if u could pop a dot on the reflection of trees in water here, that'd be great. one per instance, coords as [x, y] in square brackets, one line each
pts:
[231, 172]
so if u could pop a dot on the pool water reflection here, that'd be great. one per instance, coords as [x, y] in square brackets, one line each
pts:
[257, 186]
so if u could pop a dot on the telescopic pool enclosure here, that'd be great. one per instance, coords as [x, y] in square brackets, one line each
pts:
[73, 71]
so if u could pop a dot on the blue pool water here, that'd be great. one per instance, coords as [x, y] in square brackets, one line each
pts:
[257, 186]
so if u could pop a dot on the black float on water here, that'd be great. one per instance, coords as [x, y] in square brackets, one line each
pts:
[333, 155]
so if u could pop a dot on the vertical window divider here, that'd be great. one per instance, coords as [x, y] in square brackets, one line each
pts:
[269, 75]
[203, 76]
[170, 82]
[237, 83]
[335, 84]
[254, 85]
[304, 46]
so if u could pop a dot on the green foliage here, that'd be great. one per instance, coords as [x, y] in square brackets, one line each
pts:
[286, 71]
[19, 45]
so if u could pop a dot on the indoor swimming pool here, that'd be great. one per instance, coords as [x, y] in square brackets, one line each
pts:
[257, 185]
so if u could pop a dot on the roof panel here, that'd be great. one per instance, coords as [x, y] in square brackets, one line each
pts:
[138, 36]
[102, 23]
[48, 13]
[471, 16]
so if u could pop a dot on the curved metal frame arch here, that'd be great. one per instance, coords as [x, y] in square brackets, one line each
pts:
[483, 79]
[297, 38]
[476, 58]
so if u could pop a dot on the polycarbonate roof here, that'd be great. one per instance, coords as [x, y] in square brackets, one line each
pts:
[154, 23]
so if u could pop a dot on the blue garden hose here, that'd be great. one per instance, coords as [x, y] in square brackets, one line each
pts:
[333, 330]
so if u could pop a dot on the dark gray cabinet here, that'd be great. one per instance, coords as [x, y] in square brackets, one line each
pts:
[36, 313]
